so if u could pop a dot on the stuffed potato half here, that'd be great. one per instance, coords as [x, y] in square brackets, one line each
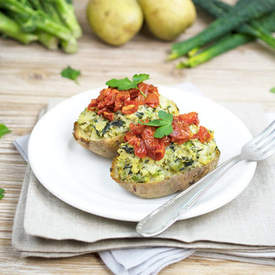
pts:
[181, 165]
[103, 137]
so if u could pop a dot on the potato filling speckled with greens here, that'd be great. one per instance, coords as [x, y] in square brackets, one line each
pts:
[177, 158]
[95, 126]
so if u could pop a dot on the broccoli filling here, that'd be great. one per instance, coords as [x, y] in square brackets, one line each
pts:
[94, 126]
[177, 159]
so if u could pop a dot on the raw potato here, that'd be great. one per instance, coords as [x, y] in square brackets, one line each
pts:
[178, 182]
[105, 147]
[167, 19]
[115, 21]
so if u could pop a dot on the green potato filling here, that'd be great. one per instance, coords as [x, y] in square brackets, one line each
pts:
[177, 158]
[94, 126]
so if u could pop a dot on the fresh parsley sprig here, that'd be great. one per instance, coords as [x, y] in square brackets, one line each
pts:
[71, 73]
[126, 83]
[4, 130]
[272, 90]
[164, 124]
[2, 191]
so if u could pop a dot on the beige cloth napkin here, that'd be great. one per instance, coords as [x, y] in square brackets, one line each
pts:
[45, 226]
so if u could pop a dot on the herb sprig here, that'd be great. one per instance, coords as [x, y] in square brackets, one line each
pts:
[2, 191]
[164, 124]
[126, 83]
[272, 90]
[4, 130]
[71, 73]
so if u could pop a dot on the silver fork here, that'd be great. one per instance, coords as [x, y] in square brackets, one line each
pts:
[259, 148]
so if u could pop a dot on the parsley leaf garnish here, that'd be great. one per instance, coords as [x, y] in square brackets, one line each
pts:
[126, 83]
[4, 130]
[165, 116]
[121, 84]
[272, 90]
[71, 73]
[2, 191]
[138, 78]
[163, 131]
[164, 124]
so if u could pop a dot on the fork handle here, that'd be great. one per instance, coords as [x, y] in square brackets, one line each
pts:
[167, 214]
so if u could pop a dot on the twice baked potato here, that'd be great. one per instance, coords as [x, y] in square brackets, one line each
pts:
[102, 135]
[181, 166]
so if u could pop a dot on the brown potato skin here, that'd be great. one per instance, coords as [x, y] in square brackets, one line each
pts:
[105, 147]
[178, 182]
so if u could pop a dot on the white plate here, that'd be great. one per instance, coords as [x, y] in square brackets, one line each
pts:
[82, 179]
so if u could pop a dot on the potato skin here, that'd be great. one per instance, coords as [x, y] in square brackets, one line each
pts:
[106, 147]
[178, 182]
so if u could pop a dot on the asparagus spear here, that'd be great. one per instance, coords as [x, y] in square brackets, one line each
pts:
[11, 29]
[223, 25]
[227, 43]
[40, 19]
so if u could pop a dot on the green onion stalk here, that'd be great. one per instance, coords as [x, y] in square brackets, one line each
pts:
[253, 27]
[227, 43]
[223, 25]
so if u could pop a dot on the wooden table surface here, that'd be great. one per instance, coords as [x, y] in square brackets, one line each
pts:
[30, 76]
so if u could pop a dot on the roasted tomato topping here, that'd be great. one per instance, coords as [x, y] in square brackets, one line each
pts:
[203, 135]
[129, 109]
[112, 100]
[190, 118]
[109, 115]
[142, 138]
[181, 132]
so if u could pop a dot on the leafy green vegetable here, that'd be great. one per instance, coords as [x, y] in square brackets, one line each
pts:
[218, 8]
[47, 21]
[138, 78]
[71, 73]
[223, 45]
[40, 19]
[272, 90]
[156, 123]
[46, 39]
[121, 84]
[126, 83]
[164, 124]
[4, 130]
[66, 12]
[2, 191]
[165, 116]
[10, 28]
[227, 43]
[163, 131]
[223, 25]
